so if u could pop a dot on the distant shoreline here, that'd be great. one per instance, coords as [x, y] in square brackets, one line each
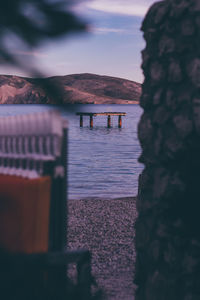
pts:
[82, 88]
[92, 198]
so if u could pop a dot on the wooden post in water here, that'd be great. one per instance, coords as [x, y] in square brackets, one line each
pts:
[120, 122]
[91, 121]
[81, 120]
[108, 114]
[109, 121]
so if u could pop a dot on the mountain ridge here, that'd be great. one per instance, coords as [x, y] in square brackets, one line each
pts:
[84, 88]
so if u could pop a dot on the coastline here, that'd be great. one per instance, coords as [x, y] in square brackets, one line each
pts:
[106, 228]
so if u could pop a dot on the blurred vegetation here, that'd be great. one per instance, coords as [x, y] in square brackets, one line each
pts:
[31, 23]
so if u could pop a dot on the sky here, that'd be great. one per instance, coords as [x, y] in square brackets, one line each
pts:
[112, 46]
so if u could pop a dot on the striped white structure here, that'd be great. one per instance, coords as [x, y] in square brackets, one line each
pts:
[27, 141]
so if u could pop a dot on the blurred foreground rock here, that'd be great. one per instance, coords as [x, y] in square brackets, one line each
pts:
[168, 226]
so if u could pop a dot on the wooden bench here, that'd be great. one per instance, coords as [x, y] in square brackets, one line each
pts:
[33, 212]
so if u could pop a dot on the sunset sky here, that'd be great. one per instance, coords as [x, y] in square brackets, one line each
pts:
[111, 47]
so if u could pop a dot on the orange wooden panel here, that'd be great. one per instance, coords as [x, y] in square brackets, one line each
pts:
[24, 213]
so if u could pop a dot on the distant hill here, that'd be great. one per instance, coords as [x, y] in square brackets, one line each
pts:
[77, 88]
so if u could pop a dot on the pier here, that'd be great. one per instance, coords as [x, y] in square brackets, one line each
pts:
[109, 114]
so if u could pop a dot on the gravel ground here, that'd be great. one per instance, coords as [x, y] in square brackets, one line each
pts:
[106, 228]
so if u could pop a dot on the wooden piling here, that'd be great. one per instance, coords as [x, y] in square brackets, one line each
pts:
[91, 121]
[120, 122]
[109, 121]
[108, 114]
[81, 120]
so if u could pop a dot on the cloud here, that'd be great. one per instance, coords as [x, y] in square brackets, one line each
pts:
[31, 53]
[122, 7]
[104, 30]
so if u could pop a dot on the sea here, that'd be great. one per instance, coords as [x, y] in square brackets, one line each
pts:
[102, 162]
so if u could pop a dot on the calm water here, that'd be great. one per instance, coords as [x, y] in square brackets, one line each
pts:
[102, 161]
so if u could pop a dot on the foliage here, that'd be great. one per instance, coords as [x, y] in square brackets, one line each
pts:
[32, 22]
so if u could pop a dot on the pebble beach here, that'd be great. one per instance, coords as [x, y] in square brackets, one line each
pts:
[106, 228]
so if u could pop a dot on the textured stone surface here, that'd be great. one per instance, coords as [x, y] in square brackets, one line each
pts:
[106, 228]
[167, 228]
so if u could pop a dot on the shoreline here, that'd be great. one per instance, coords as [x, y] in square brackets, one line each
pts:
[105, 226]
[102, 198]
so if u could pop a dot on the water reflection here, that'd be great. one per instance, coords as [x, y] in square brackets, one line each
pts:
[105, 158]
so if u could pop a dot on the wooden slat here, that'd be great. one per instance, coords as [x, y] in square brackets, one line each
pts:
[101, 114]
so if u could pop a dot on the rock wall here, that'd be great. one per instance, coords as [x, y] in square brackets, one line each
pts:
[168, 226]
